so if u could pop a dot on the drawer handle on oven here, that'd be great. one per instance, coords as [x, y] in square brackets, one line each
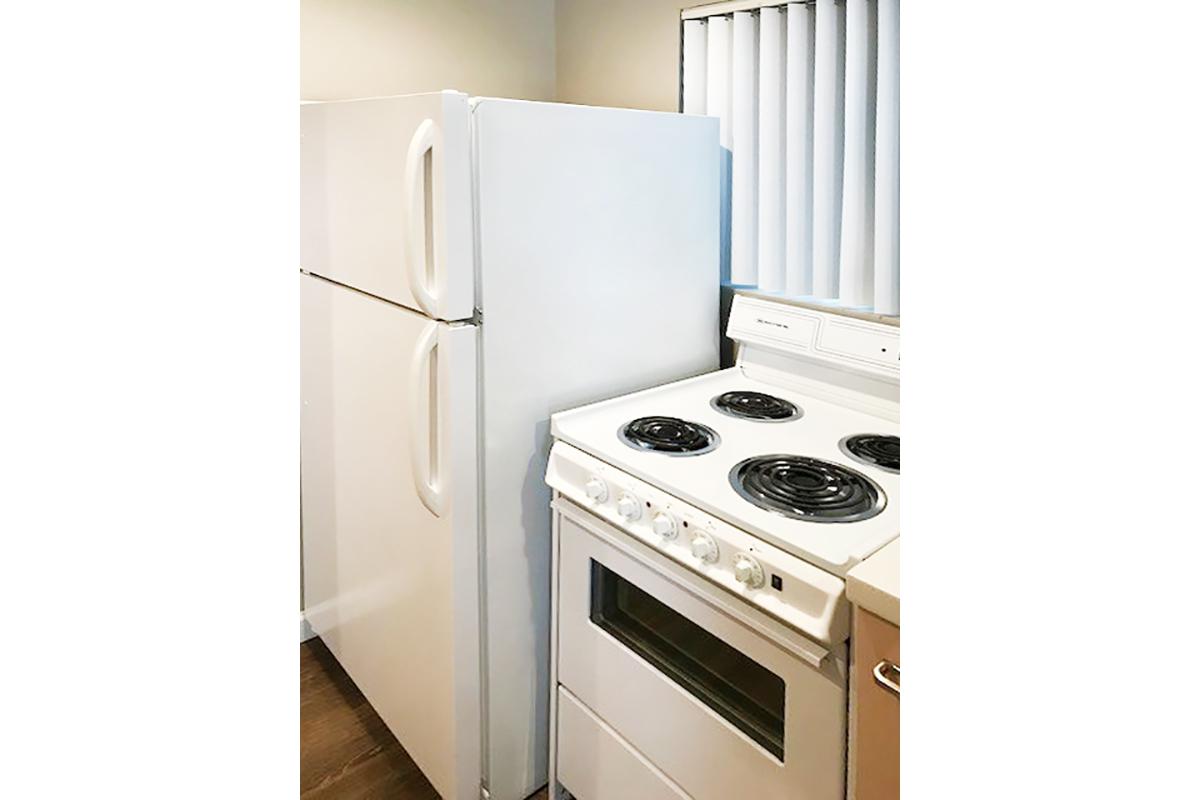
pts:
[883, 673]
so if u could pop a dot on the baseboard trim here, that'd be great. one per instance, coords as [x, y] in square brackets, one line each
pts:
[306, 631]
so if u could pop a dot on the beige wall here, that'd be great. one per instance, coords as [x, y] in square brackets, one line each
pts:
[361, 48]
[619, 52]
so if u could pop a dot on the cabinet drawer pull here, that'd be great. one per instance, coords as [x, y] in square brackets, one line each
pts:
[887, 675]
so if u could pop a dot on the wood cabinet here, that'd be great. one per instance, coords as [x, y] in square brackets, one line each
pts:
[875, 709]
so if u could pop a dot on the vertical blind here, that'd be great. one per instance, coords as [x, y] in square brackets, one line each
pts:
[808, 100]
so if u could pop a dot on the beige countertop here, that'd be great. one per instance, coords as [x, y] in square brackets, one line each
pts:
[874, 585]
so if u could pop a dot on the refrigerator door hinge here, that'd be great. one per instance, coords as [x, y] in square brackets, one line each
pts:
[475, 320]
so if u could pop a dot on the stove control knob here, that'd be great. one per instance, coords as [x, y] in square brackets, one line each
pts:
[704, 548]
[748, 571]
[664, 525]
[596, 489]
[629, 507]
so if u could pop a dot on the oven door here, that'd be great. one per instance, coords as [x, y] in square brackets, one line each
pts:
[721, 698]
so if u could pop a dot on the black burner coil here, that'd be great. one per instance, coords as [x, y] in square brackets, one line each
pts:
[873, 448]
[756, 406]
[669, 435]
[799, 487]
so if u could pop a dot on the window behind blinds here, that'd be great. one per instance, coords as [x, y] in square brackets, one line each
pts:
[809, 103]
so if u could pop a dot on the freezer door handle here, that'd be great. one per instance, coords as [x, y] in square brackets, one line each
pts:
[417, 243]
[425, 440]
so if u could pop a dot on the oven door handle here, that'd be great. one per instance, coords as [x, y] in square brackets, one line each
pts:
[801, 647]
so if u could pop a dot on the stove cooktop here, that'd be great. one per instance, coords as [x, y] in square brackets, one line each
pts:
[822, 483]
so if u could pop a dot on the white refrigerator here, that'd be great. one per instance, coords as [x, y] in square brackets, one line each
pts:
[470, 266]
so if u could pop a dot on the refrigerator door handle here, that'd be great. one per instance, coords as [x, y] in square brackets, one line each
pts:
[416, 244]
[425, 440]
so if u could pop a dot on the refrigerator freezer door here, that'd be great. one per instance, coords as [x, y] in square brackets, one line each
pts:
[390, 527]
[599, 264]
[385, 199]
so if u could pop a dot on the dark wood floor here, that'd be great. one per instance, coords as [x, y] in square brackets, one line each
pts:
[346, 752]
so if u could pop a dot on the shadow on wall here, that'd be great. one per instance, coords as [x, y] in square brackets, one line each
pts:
[622, 53]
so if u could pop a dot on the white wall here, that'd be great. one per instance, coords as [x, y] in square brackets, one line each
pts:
[361, 48]
[621, 53]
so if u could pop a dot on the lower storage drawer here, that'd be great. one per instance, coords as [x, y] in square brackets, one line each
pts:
[594, 763]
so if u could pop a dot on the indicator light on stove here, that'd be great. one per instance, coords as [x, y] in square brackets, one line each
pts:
[704, 548]
[628, 507]
[748, 571]
[664, 525]
[596, 489]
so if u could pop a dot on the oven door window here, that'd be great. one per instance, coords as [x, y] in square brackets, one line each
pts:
[733, 685]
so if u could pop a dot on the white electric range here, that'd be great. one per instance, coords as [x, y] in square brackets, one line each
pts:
[702, 533]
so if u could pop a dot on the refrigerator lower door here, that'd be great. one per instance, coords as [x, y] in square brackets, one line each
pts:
[385, 199]
[390, 528]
